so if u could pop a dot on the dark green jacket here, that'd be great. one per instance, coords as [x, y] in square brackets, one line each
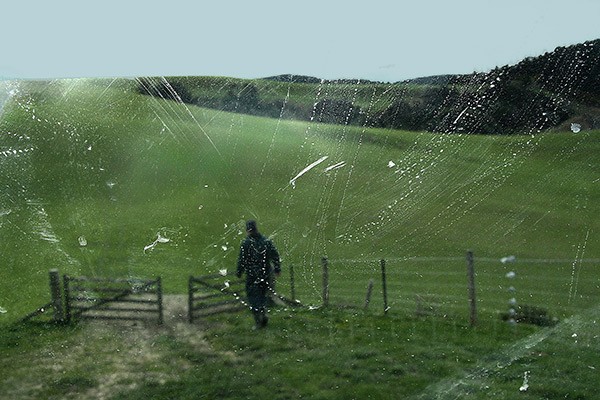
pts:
[256, 255]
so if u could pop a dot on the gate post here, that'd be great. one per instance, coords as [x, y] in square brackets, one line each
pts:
[191, 299]
[385, 307]
[471, 281]
[325, 282]
[55, 292]
[160, 300]
[369, 290]
[67, 299]
[292, 282]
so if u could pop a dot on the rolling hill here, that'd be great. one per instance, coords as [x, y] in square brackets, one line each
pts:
[539, 93]
[94, 162]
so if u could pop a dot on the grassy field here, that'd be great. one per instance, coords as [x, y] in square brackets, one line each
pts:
[92, 173]
[116, 169]
[322, 354]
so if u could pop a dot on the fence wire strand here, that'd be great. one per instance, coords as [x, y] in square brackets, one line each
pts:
[439, 284]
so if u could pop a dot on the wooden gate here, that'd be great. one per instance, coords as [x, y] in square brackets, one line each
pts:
[213, 294]
[120, 299]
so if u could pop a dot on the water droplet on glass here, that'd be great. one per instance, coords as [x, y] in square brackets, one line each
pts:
[525, 385]
[162, 239]
[159, 239]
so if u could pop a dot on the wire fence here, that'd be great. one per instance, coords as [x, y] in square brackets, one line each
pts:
[439, 285]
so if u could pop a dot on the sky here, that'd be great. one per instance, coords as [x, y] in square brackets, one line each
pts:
[380, 40]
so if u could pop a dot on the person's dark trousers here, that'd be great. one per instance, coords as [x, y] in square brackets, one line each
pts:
[257, 298]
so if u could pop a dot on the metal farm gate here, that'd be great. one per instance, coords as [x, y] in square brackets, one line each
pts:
[213, 294]
[117, 299]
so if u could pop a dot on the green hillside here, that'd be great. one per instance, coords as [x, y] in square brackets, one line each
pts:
[93, 172]
[547, 92]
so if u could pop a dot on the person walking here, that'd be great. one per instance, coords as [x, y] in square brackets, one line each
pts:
[256, 255]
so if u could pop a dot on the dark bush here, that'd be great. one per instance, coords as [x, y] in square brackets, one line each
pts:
[172, 88]
[338, 112]
[530, 315]
[401, 115]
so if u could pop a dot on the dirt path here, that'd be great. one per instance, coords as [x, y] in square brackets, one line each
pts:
[103, 357]
[144, 347]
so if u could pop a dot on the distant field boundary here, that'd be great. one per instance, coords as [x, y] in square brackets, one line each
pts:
[135, 299]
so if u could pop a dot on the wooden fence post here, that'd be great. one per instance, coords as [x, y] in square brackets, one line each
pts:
[292, 282]
[369, 290]
[160, 300]
[471, 280]
[191, 299]
[325, 282]
[67, 298]
[385, 307]
[56, 294]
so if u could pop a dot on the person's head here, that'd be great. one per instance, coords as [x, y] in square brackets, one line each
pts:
[251, 226]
